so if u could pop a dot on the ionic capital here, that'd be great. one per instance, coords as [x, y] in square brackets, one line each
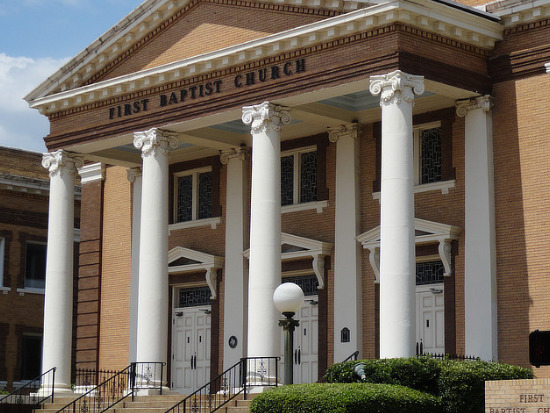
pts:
[350, 131]
[396, 87]
[155, 141]
[265, 116]
[62, 162]
[234, 153]
[483, 102]
[133, 173]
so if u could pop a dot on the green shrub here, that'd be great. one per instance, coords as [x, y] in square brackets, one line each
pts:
[420, 373]
[462, 384]
[344, 398]
[459, 384]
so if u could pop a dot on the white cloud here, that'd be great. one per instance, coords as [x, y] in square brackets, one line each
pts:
[20, 126]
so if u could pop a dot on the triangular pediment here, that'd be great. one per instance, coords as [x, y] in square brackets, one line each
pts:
[183, 260]
[160, 32]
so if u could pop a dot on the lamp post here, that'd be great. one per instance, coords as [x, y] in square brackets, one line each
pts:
[288, 298]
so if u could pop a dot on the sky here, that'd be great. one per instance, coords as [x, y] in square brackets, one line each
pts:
[36, 38]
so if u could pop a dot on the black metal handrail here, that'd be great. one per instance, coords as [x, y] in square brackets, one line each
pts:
[125, 383]
[35, 392]
[352, 356]
[86, 379]
[248, 372]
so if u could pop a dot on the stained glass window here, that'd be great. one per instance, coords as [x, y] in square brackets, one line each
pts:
[308, 283]
[193, 297]
[431, 155]
[429, 272]
[308, 177]
[205, 195]
[287, 180]
[185, 198]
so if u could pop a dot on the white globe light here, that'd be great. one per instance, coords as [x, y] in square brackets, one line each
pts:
[288, 298]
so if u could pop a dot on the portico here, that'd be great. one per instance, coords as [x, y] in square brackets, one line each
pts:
[187, 127]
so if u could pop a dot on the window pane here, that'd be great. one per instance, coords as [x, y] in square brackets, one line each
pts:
[2, 246]
[287, 180]
[308, 283]
[35, 266]
[205, 195]
[431, 155]
[308, 177]
[429, 272]
[185, 198]
[192, 297]
[31, 357]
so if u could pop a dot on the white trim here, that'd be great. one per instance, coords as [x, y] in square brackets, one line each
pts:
[23, 291]
[442, 186]
[317, 205]
[452, 22]
[92, 173]
[5, 290]
[547, 66]
[441, 234]
[205, 262]
[310, 248]
[212, 222]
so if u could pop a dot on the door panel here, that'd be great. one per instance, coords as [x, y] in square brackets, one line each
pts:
[430, 318]
[191, 340]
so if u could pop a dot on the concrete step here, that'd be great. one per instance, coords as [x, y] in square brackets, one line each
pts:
[153, 404]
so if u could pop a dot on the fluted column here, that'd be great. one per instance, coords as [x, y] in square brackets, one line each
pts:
[58, 303]
[134, 176]
[153, 316]
[266, 120]
[347, 262]
[480, 290]
[235, 243]
[397, 252]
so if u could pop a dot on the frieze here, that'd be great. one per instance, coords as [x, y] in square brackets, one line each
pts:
[202, 90]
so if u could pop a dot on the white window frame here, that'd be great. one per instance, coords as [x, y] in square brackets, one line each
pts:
[297, 172]
[417, 134]
[26, 289]
[195, 196]
[3, 289]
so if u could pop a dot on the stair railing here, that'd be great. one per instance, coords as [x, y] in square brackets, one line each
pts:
[248, 372]
[125, 383]
[35, 392]
[352, 356]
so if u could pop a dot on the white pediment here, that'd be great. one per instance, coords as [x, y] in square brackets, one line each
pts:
[71, 86]
[426, 232]
[184, 261]
[294, 247]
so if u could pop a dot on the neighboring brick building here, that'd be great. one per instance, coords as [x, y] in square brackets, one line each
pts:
[24, 189]
[417, 227]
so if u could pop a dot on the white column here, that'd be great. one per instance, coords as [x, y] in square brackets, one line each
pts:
[265, 227]
[153, 311]
[347, 262]
[480, 292]
[397, 252]
[236, 274]
[58, 302]
[134, 176]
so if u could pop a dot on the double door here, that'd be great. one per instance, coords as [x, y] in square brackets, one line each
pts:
[430, 319]
[305, 354]
[191, 341]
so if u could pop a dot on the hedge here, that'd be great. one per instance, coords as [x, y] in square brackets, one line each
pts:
[344, 398]
[459, 384]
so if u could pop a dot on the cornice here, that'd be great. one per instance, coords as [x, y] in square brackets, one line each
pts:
[440, 24]
[145, 22]
[517, 15]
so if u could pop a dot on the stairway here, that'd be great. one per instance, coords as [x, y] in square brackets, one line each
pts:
[152, 404]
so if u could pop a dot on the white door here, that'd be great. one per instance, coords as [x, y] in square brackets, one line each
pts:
[191, 341]
[306, 344]
[430, 319]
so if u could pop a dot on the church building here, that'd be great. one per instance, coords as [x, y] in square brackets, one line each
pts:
[391, 157]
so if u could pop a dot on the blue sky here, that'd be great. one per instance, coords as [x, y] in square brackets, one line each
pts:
[36, 38]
